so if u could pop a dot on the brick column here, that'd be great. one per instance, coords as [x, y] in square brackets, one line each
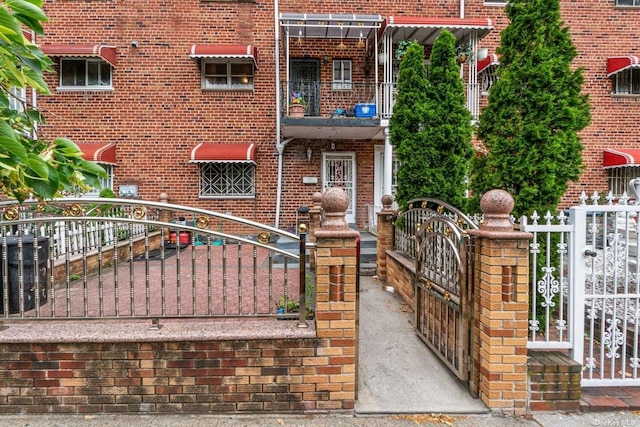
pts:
[501, 305]
[384, 236]
[315, 215]
[336, 283]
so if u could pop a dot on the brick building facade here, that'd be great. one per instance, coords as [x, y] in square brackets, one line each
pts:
[157, 78]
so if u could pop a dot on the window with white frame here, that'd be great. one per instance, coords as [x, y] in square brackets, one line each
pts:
[627, 2]
[227, 180]
[627, 82]
[341, 74]
[85, 74]
[234, 74]
[104, 182]
[17, 97]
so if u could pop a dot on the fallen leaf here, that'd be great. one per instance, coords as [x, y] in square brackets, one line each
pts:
[427, 418]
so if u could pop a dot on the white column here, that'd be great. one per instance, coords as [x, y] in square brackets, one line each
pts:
[388, 164]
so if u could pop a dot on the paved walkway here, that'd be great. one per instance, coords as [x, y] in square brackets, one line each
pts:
[398, 374]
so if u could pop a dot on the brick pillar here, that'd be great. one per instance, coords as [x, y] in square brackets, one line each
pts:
[336, 298]
[501, 305]
[315, 214]
[384, 236]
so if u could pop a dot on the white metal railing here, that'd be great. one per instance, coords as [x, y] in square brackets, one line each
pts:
[585, 295]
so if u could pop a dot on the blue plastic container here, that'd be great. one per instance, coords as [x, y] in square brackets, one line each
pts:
[365, 110]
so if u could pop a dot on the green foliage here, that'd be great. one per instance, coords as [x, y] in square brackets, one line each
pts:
[431, 126]
[30, 166]
[536, 110]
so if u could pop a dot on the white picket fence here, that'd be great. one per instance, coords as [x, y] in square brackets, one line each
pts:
[72, 237]
[585, 292]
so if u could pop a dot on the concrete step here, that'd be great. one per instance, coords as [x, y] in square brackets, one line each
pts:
[368, 245]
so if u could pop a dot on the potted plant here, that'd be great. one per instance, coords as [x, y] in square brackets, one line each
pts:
[298, 105]
[463, 53]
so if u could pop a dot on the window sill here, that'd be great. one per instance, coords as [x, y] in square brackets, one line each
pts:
[227, 89]
[226, 197]
[625, 95]
[84, 89]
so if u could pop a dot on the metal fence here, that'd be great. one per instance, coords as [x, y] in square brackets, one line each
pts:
[101, 258]
[329, 98]
[585, 296]
[419, 211]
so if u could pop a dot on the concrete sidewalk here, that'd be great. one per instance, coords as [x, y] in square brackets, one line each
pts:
[594, 419]
[400, 384]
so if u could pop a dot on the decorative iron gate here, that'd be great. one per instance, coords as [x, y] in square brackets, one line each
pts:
[443, 284]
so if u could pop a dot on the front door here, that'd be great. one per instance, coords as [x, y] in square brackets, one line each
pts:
[339, 170]
[305, 79]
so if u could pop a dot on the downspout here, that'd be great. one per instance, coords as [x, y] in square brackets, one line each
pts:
[279, 145]
[462, 9]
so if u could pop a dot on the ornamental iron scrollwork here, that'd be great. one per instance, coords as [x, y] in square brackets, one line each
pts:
[74, 210]
[264, 237]
[202, 222]
[11, 214]
[548, 287]
[139, 212]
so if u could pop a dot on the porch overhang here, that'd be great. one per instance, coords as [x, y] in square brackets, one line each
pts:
[332, 128]
[425, 30]
[622, 157]
[330, 26]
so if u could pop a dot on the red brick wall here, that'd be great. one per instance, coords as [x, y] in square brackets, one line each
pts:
[157, 111]
[175, 377]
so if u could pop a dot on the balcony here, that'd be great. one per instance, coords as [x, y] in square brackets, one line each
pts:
[334, 110]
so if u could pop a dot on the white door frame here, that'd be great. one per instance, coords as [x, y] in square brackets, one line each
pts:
[326, 156]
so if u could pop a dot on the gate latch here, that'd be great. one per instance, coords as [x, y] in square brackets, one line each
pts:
[590, 252]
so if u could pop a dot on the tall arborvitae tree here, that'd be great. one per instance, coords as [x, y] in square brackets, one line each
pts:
[536, 109]
[431, 126]
[406, 124]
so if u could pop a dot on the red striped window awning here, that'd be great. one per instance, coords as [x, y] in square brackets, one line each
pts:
[233, 153]
[488, 62]
[621, 63]
[615, 158]
[99, 152]
[237, 51]
[107, 53]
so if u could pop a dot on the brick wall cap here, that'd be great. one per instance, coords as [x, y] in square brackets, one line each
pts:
[501, 235]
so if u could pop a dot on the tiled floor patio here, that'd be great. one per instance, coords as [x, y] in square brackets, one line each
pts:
[610, 399]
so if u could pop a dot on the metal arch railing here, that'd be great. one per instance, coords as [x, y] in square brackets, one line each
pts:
[62, 260]
[419, 210]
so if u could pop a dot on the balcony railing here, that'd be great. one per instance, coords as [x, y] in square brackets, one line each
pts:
[328, 99]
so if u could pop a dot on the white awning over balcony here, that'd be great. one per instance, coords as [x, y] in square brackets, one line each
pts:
[426, 29]
[330, 26]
